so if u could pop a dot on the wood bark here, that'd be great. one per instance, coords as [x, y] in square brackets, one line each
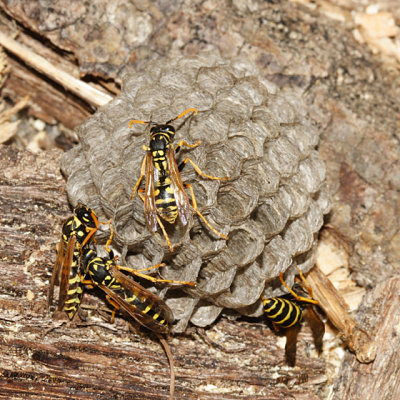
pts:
[379, 379]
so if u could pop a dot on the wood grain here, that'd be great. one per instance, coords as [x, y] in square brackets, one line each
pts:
[379, 379]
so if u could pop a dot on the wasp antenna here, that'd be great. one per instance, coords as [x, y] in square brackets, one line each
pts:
[194, 110]
[138, 121]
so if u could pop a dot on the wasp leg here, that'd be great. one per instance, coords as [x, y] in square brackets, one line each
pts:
[107, 246]
[171, 249]
[106, 222]
[305, 283]
[90, 235]
[91, 232]
[195, 208]
[142, 174]
[150, 268]
[295, 295]
[116, 308]
[194, 110]
[137, 272]
[198, 170]
[184, 143]
[275, 326]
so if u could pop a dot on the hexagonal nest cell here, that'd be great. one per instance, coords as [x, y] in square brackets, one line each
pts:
[271, 207]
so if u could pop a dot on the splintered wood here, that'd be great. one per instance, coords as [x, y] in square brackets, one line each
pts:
[337, 312]
[380, 379]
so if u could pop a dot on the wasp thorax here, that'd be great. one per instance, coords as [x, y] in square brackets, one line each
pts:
[168, 130]
[271, 207]
[159, 141]
[87, 257]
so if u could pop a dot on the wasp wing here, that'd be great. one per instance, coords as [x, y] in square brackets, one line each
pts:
[181, 198]
[291, 344]
[150, 209]
[65, 272]
[316, 325]
[145, 298]
[55, 276]
[131, 285]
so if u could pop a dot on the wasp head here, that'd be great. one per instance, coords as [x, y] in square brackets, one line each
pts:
[86, 215]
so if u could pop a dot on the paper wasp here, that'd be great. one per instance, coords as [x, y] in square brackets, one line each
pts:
[124, 293]
[287, 312]
[77, 231]
[164, 194]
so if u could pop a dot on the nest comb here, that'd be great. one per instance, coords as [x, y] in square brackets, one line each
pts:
[271, 207]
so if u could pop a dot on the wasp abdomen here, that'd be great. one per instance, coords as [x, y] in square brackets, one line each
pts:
[282, 312]
[145, 306]
[75, 290]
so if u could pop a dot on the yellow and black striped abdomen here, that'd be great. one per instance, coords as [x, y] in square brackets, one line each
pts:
[146, 306]
[282, 312]
[163, 191]
[165, 200]
[75, 290]
[73, 227]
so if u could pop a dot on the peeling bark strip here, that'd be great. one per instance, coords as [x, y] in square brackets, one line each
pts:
[337, 311]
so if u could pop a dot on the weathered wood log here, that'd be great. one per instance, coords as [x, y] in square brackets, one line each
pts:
[379, 380]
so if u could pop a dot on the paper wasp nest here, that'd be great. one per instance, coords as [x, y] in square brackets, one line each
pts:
[271, 207]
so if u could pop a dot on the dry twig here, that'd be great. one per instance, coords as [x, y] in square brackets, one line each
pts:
[92, 95]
